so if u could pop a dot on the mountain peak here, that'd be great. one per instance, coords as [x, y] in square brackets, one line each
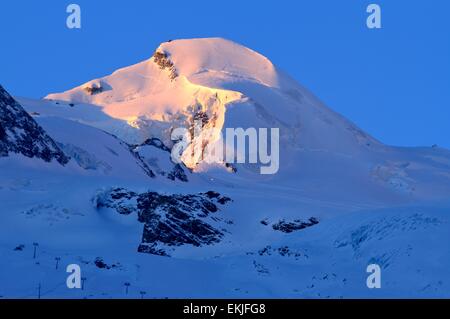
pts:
[225, 83]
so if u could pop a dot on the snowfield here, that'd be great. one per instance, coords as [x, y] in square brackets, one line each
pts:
[116, 204]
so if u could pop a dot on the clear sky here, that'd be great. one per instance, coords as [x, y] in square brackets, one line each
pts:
[394, 82]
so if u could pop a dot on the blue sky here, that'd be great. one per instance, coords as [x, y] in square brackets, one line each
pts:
[394, 82]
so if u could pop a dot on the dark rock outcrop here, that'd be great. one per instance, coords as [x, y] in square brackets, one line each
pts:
[163, 61]
[93, 90]
[99, 263]
[169, 220]
[289, 227]
[156, 142]
[19, 133]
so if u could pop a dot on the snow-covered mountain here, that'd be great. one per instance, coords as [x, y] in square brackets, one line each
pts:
[227, 84]
[123, 210]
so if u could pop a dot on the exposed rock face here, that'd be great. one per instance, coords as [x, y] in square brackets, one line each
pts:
[156, 142]
[289, 227]
[93, 90]
[99, 263]
[19, 133]
[164, 63]
[169, 220]
[121, 200]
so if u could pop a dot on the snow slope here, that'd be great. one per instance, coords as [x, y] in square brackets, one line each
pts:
[340, 201]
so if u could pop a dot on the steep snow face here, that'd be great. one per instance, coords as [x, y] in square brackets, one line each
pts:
[19, 133]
